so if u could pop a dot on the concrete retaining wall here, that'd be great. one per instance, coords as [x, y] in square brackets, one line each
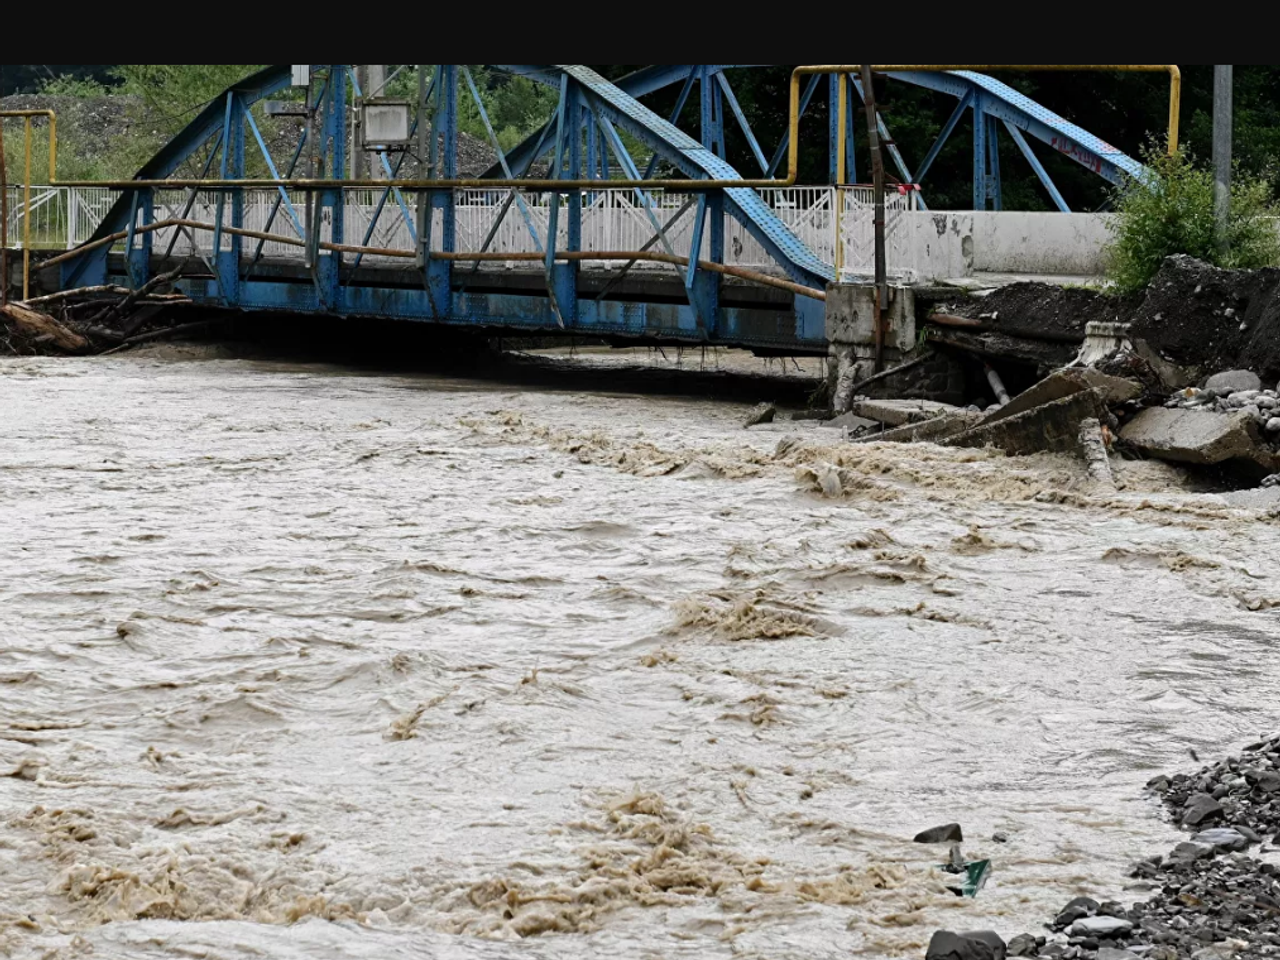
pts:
[1051, 243]
[949, 245]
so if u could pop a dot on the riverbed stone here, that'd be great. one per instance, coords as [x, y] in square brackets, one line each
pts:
[1201, 808]
[1024, 946]
[969, 946]
[949, 833]
[1189, 852]
[1103, 928]
[1233, 381]
[764, 413]
[1077, 909]
[1223, 838]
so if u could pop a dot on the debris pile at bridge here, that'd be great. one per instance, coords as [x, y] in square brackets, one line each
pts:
[1153, 376]
[93, 320]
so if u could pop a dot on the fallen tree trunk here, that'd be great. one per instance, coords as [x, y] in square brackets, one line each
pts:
[41, 328]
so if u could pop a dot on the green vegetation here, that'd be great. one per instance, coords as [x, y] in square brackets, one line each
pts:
[1172, 212]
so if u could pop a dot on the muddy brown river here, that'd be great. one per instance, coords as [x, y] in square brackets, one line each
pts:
[300, 662]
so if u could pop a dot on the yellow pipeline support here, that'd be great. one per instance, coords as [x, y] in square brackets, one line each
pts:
[26, 116]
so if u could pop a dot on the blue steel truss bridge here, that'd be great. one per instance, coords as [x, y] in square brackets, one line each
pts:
[609, 220]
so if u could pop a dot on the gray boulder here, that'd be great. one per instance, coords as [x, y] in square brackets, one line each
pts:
[1101, 928]
[1201, 808]
[966, 946]
[1233, 381]
[764, 413]
[951, 833]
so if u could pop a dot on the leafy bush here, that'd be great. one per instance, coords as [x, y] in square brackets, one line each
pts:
[1172, 211]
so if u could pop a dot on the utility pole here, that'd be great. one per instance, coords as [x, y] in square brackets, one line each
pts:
[1223, 103]
[375, 86]
[356, 163]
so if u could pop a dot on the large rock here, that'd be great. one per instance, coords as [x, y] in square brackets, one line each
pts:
[1195, 437]
[1024, 946]
[899, 413]
[966, 946]
[951, 833]
[1102, 928]
[1051, 428]
[1223, 838]
[1066, 383]
[1201, 808]
[764, 413]
[1233, 381]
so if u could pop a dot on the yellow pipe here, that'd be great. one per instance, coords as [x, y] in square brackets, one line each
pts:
[26, 216]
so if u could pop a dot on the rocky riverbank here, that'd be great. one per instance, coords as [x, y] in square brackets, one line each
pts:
[1213, 897]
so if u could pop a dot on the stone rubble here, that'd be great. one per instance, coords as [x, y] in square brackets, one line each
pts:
[1210, 898]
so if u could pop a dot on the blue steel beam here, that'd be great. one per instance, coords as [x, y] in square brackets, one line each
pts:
[741, 117]
[802, 330]
[1038, 167]
[1005, 103]
[91, 268]
[696, 161]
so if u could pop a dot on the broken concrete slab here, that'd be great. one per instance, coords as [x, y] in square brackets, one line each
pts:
[1066, 383]
[852, 422]
[931, 431]
[899, 413]
[1049, 428]
[1197, 437]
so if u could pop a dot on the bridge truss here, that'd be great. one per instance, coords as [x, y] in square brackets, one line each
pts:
[405, 252]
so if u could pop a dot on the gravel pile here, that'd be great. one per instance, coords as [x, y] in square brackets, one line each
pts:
[1210, 898]
[1237, 391]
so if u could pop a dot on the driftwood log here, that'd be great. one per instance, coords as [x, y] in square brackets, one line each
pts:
[92, 320]
[40, 329]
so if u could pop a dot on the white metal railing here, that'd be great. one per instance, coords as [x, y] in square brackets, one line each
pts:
[857, 228]
[57, 218]
[621, 220]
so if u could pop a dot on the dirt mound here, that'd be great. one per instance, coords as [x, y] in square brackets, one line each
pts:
[1046, 308]
[86, 124]
[1196, 315]
[1201, 316]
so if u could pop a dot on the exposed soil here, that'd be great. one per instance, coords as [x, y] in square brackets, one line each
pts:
[1194, 314]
